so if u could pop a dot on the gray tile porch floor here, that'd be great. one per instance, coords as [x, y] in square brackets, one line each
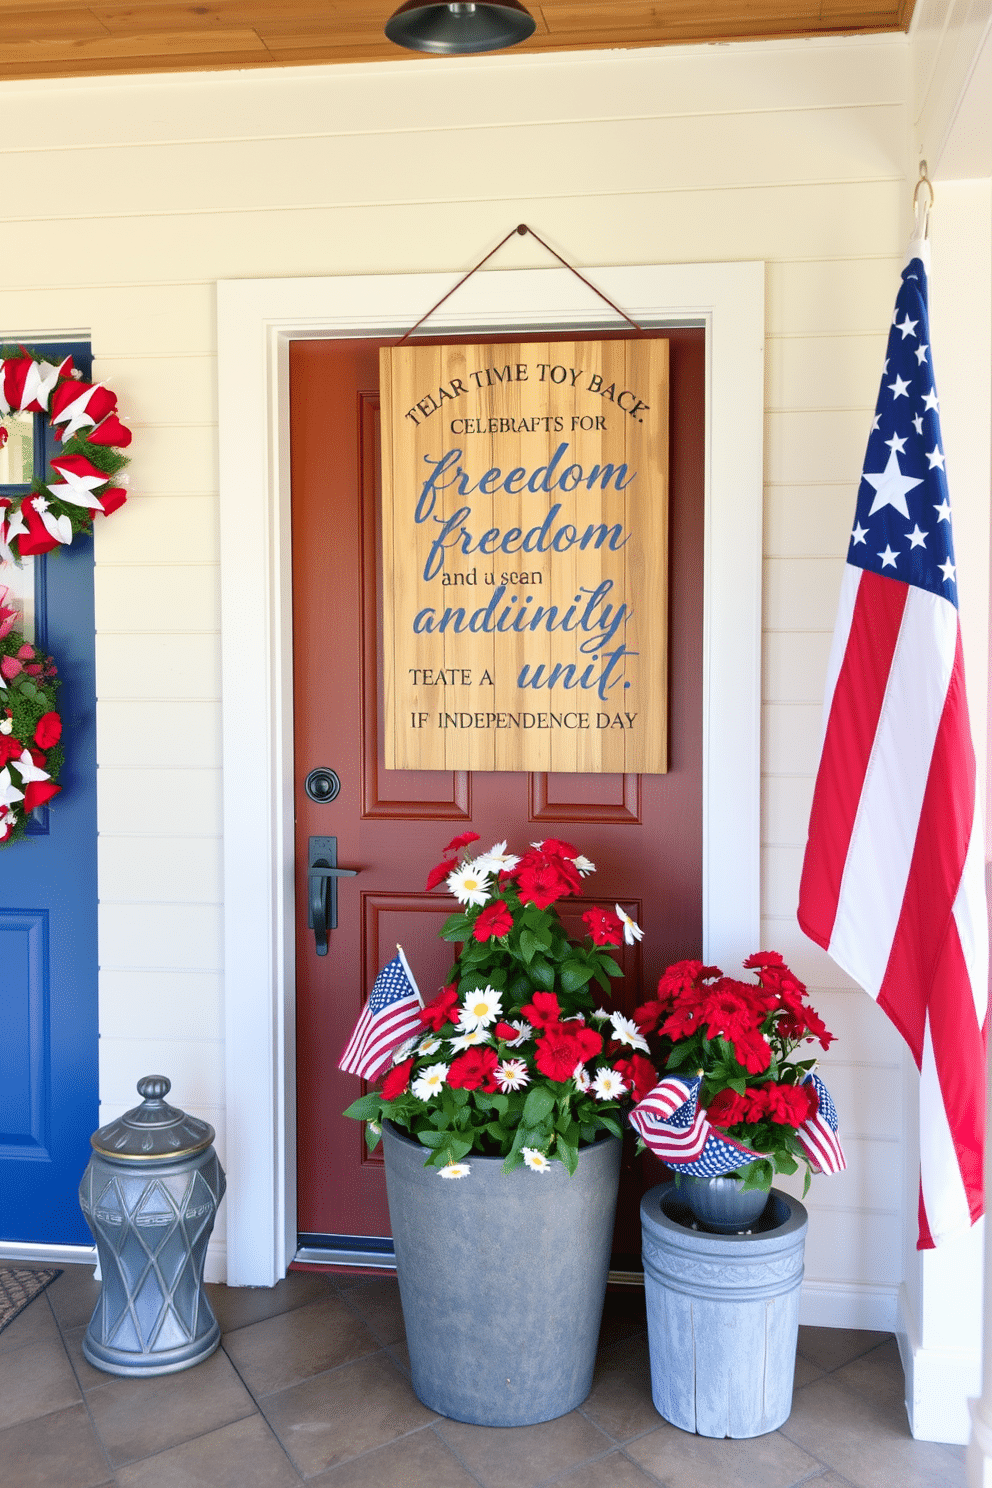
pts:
[311, 1385]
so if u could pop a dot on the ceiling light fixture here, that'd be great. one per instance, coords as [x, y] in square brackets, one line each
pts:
[449, 30]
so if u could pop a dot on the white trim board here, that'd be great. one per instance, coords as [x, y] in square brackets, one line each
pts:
[257, 319]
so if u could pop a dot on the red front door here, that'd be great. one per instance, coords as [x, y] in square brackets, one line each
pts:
[644, 833]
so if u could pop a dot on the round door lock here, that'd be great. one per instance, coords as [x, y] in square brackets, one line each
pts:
[322, 785]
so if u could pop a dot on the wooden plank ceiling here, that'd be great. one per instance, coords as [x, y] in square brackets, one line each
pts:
[67, 38]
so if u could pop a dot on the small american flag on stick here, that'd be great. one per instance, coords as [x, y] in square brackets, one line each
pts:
[818, 1136]
[677, 1131]
[390, 1016]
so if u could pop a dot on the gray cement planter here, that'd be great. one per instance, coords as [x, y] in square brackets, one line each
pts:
[502, 1279]
[723, 1315]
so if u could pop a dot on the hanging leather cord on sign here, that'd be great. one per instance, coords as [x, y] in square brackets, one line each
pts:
[522, 229]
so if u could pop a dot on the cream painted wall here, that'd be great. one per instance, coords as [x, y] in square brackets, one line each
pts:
[134, 196]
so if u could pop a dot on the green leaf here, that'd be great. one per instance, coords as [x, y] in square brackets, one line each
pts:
[568, 1154]
[574, 976]
[538, 1106]
[529, 945]
[434, 1139]
[611, 1125]
[542, 974]
[458, 1148]
[456, 927]
[366, 1107]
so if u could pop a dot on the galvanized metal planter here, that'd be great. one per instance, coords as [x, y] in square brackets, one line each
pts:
[723, 1315]
[150, 1196]
[502, 1279]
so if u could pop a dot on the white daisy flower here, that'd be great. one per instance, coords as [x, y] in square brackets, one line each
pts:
[511, 1074]
[429, 1045]
[535, 1160]
[428, 1083]
[524, 1032]
[600, 1015]
[466, 1040]
[631, 930]
[480, 1008]
[6, 725]
[375, 1128]
[581, 1077]
[626, 1031]
[454, 1170]
[608, 1085]
[404, 1050]
[469, 884]
[497, 859]
[584, 866]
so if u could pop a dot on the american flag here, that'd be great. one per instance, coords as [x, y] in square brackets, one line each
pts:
[892, 884]
[389, 1017]
[674, 1128]
[818, 1136]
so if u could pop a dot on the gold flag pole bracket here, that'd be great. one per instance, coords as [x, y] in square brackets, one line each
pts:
[522, 230]
[924, 183]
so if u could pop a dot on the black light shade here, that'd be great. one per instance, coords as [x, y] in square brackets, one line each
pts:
[451, 29]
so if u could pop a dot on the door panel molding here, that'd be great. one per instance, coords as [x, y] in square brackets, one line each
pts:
[550, 800]
[256, 321]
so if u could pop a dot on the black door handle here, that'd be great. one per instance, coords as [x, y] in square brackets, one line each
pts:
[322, 888]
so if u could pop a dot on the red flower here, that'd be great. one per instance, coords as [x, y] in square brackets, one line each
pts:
[438, 873]
[727, 1108]
[37, 792]
[725, 1013]
[541, 885]
[639, 1073]
[648, 1016]
[789, 1105]
[543, 1011]
[493, 921]
[752, 1051]
[559, 848]
[49, 730]
[474, 1070]
[397, 1080]
[682, 1023]
[605, 928]
[462, 841]
[544, 875]
[11, 748]
[440, 1010]
[564, 1046]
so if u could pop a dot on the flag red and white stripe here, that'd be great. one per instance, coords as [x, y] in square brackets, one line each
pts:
[893, 878]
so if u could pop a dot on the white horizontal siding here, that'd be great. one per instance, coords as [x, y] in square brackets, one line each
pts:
[791, 153]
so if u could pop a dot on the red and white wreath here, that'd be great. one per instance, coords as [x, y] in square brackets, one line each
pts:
[88, 478]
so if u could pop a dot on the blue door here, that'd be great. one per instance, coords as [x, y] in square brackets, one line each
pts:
[48, 925]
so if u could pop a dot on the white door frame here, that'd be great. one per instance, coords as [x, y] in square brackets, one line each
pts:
[257, 319]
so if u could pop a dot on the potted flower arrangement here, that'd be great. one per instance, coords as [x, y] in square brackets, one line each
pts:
[738, 1103]
[501, 1120]
[733, 1051]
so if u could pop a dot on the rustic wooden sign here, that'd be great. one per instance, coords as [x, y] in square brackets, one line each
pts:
[525, 556]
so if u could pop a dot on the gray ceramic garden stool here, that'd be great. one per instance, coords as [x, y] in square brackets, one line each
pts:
[723, 1315]
[150, 1196]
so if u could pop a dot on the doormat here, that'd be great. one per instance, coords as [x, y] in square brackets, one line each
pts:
[19, 1285]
